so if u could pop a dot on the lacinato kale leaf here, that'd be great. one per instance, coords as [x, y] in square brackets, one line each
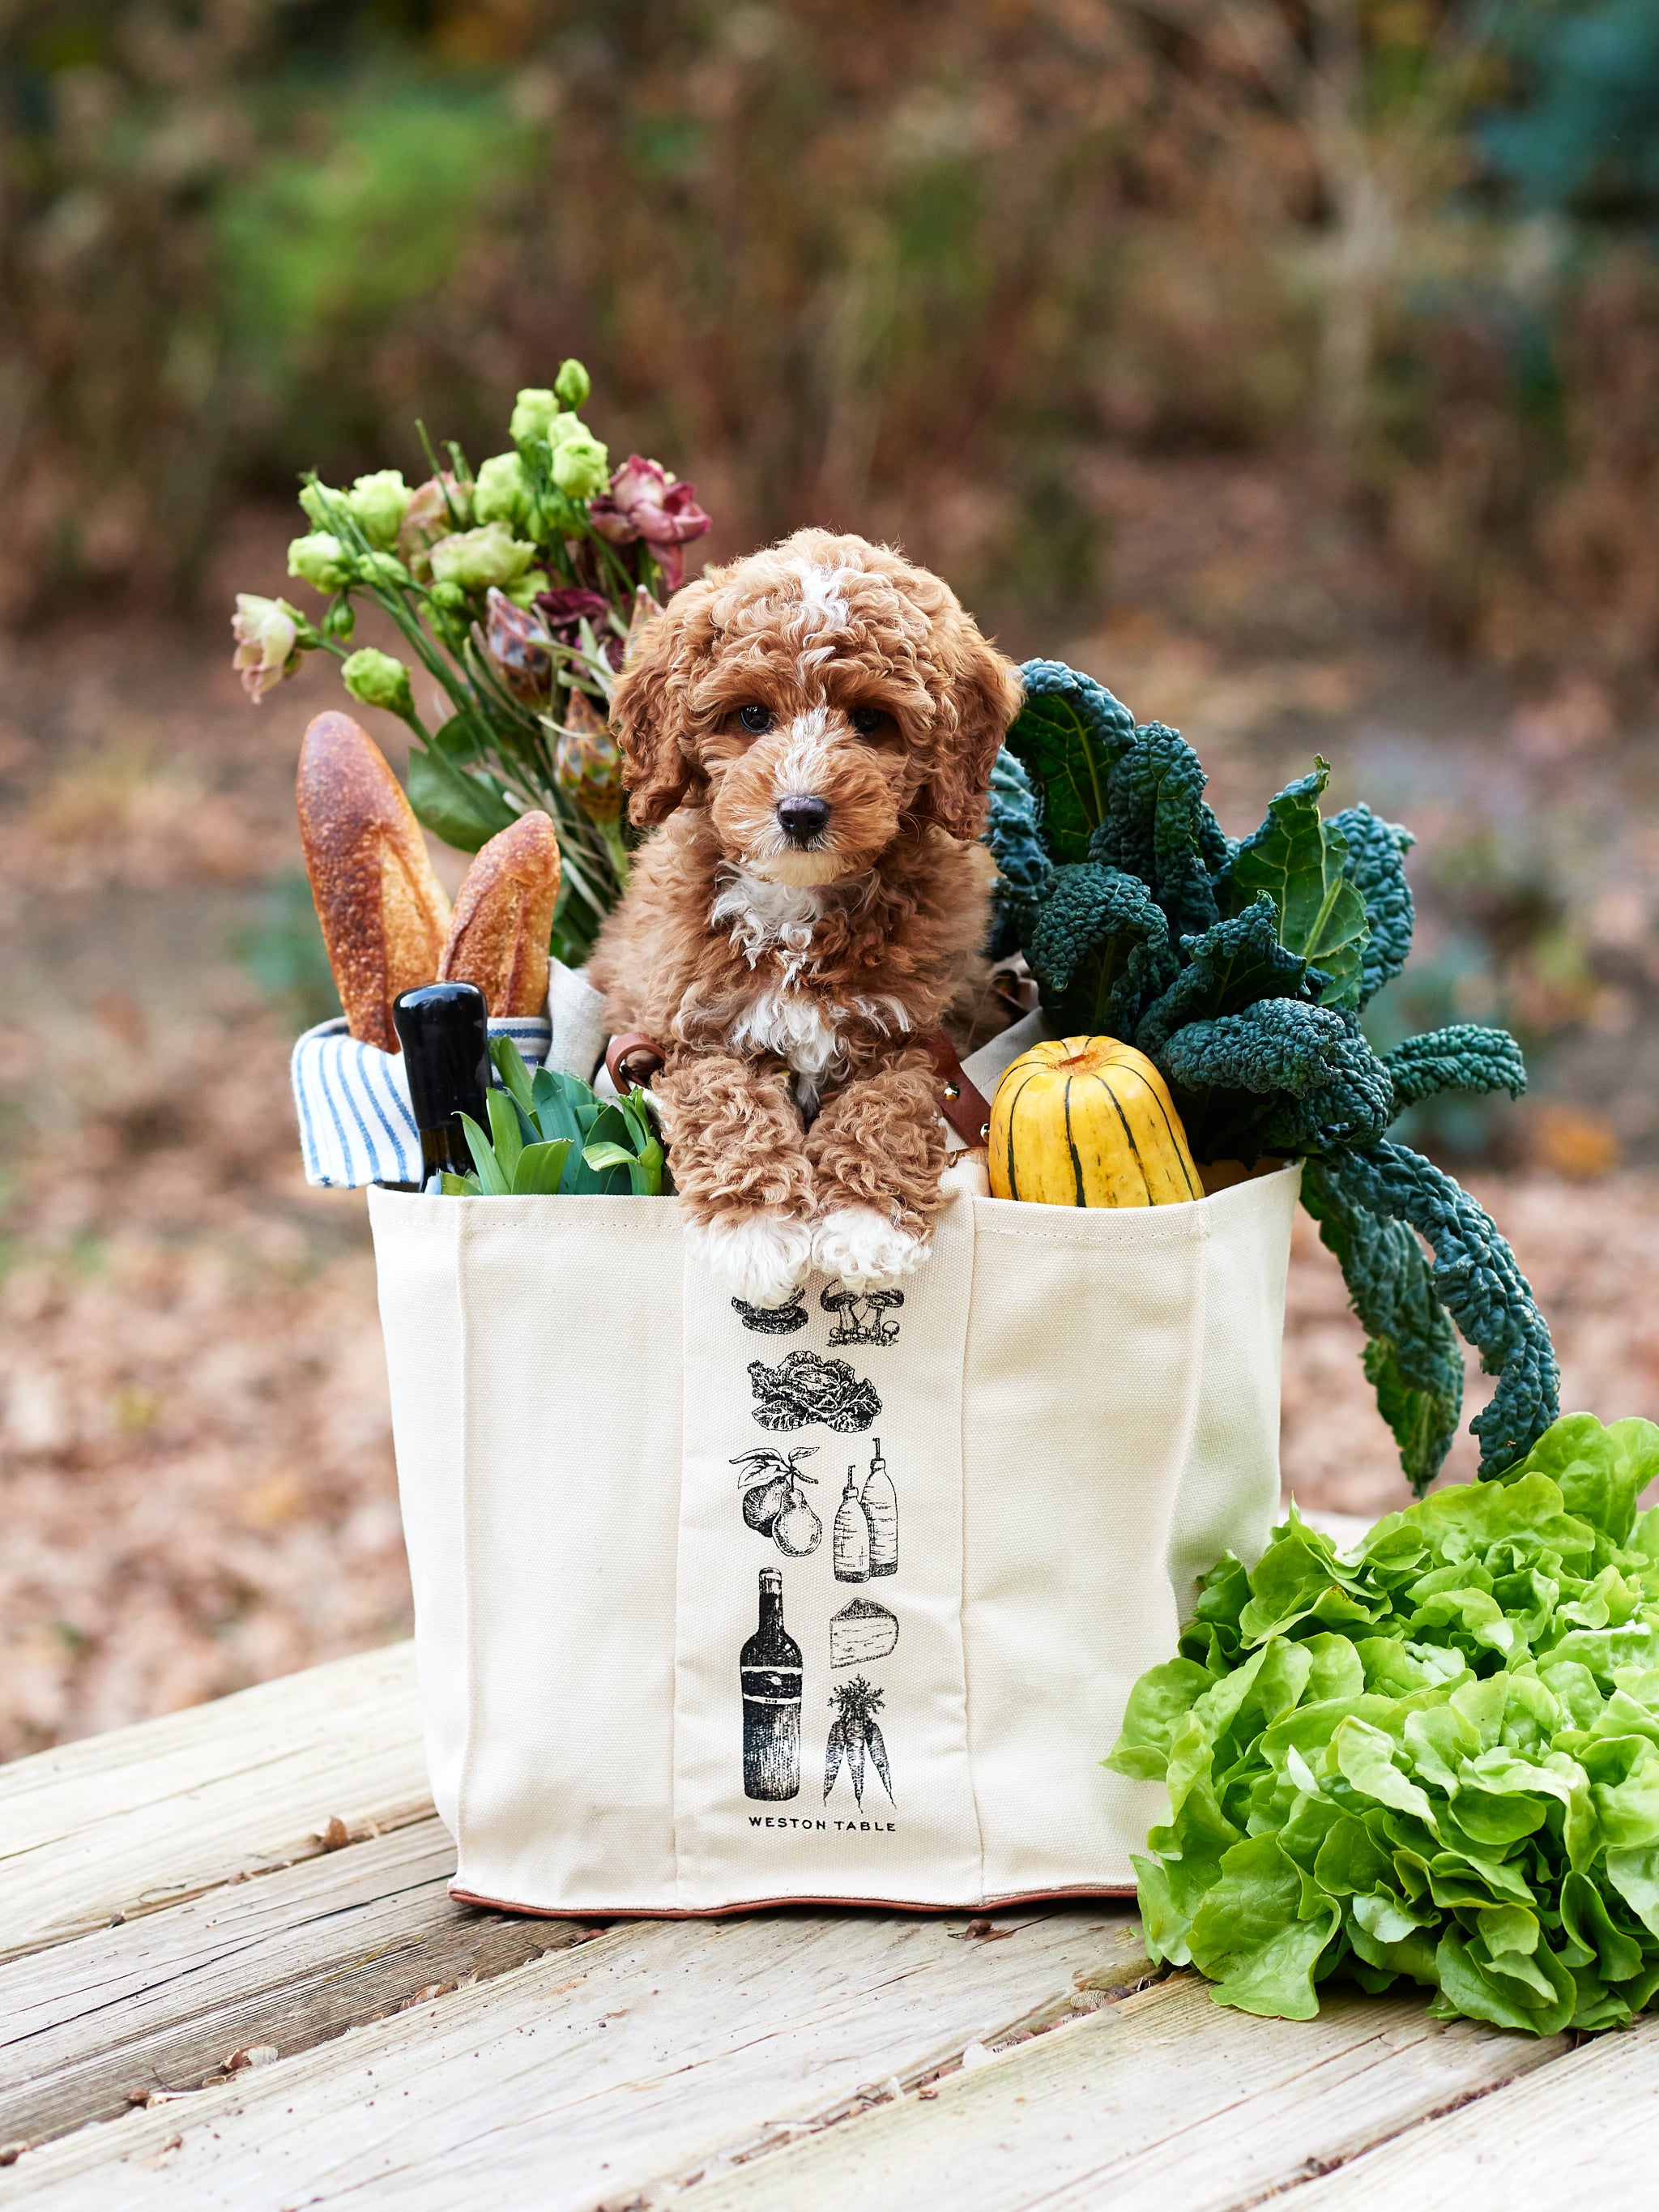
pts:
[1410, 1357]
[1152, 827]
[1299, 861]
[1476, 1280]
[1282, 1076]
[1025, 872]
[1070, 734]
[1433, 1759]
[1376, 866]
[1241, 970]
[1228, 967]
[1465, 1057]
[1100, 950]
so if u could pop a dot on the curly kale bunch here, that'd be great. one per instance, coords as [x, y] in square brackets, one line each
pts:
[1241, 969]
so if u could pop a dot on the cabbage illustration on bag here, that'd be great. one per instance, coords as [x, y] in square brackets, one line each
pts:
[804, 1388]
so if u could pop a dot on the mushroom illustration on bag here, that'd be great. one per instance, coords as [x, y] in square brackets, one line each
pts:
[861, 1316]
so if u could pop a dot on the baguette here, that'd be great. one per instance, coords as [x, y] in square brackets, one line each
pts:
[383, 911]
[504, 917]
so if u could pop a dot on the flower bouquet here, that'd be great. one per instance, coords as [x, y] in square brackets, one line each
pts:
[516, 587]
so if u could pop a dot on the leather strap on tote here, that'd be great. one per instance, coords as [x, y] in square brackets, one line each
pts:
[634, 1058]
[963, 1105]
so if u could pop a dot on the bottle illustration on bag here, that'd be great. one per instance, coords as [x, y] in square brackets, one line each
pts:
[851, 1542]
[770, 1668]
[881, 1510]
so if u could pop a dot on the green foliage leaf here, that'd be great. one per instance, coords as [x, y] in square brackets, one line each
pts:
[540, 1169]
[492, 1182]
[1069, 733]
[463, 809]
[1416, 1758]
[509, 1064]
[505, 1131]
[1299, 862]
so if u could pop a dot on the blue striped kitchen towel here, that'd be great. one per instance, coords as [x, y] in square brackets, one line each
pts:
[352, 1099]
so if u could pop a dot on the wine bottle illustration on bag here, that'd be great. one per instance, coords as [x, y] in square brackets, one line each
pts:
[851, 1542]
[770, 1665]
[881, 1508]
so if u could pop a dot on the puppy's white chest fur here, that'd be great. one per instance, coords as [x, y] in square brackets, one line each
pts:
[788, 1016]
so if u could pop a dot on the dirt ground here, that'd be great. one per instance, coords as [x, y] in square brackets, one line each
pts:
[195, 1480]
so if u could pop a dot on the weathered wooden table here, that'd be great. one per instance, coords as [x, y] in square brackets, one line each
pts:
[231, 1977]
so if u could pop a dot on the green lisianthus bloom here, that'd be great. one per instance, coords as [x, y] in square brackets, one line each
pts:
[475, 559]
[502, 491]
[322, 504]
[320, 561]
[525, 589]
[377, 505]
[380, 569]
[581, 467]
[573, 383]
[532, 412]
[378, 680]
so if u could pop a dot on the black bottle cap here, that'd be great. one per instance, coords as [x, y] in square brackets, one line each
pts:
[445, 1031]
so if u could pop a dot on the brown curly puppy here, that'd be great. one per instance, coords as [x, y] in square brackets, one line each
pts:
[815, 729]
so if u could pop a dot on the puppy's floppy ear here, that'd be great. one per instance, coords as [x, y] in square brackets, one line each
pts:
[651, 711]
[985, 694]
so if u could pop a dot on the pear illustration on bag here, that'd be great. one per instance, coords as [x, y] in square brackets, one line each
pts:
[774, 1504]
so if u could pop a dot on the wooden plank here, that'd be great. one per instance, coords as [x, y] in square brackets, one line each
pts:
[147, 1815]
[1585, 2132]
[282, 1962]
[583, 2079]
[1164, 2103]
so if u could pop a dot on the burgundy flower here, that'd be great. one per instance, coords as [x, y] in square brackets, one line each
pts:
[644, 501]
[563, 612]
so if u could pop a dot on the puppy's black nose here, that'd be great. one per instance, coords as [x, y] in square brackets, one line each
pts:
[801, 818]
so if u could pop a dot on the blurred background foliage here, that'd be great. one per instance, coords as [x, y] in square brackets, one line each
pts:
[899, 265]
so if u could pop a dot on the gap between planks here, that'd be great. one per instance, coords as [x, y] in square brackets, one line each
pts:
[138, 1819]
[88, 2027]
[1164, 2102]
[658, 2046]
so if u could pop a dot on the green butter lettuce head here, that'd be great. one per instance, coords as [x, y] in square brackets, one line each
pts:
[1432, 1758]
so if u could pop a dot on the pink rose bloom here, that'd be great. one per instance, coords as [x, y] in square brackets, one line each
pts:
[644, 501]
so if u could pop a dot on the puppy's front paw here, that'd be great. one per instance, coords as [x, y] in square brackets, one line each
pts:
[867, 1253]
[760, 1257]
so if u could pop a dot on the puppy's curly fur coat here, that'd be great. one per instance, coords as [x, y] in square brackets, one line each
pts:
[787, 957]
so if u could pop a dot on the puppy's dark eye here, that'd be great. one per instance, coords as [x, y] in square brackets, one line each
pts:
[757, 721]
[867, 721]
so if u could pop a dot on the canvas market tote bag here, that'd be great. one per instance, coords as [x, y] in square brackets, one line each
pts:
[892, 1679]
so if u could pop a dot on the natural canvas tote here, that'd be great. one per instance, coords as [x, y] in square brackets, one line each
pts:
[716, 1608]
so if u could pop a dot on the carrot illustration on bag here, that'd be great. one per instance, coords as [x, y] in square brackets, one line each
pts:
[856, 1731]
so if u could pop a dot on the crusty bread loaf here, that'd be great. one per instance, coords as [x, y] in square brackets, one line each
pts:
[383, 911]
[504, 917]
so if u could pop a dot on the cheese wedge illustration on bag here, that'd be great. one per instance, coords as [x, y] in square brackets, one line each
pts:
[862, 1631]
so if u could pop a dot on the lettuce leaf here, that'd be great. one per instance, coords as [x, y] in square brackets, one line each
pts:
[1432, 1758]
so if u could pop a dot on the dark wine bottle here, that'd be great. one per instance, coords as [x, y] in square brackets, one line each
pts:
[444, 1029]
[770, 1664]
